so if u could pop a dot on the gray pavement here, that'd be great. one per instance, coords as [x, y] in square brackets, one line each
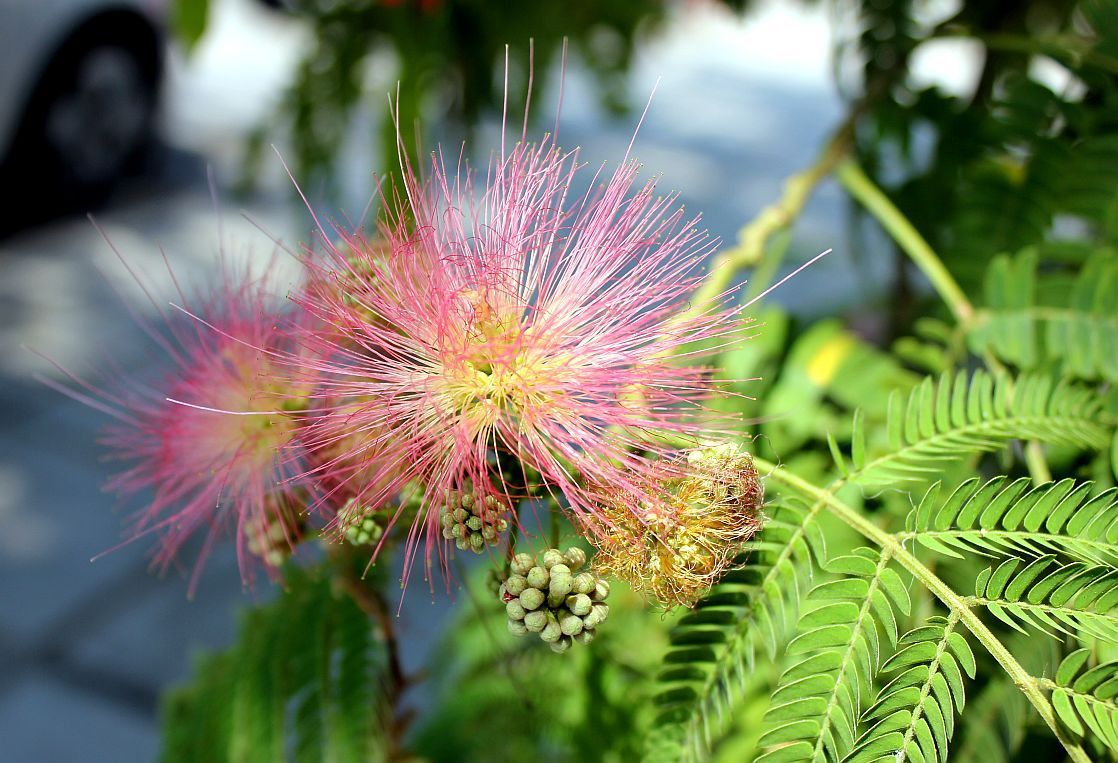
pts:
[87, 647]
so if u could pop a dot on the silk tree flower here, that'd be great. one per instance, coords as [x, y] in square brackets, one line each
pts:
[692, 524]
[211, 444]
[515, 323]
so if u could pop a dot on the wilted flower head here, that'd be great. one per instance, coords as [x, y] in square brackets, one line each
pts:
[689, 530]
[209, 443]
[523, 321]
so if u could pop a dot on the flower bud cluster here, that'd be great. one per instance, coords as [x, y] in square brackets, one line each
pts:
[549, 596]
[360, 528]
[472, 522]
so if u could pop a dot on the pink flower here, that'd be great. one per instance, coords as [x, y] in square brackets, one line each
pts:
[522, 325]
[210, 444]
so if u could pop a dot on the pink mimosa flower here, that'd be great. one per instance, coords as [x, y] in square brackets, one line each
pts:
[210, 444]
[519, 325]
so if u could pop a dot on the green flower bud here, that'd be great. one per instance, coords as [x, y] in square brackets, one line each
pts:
[535, 621]
[575, 557]
[521, 563]
[584, 582]
[446, 518]
[474, 523]
[560, 570]
[601, 590]
[560, 585]
[531, 598]
[515, 610]
[467, 500]
[579, 604]
[585, 636]
[462, 544]
[551, 557]
[448, 533]
[489, 533]
[477, 543]
[458, 531]
[602, 610]
[502, 525]
[538, 578]
[516, 584]
[561, 645]
[518, 628]
[571, 624]
[461, 515]
[552, 631]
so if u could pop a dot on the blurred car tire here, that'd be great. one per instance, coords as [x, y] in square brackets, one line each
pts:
[90, 117]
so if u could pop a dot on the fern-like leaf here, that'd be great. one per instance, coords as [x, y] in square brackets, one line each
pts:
[1004, 517]
[993, 728]
[957, 417]
[300, 683]
[1077, 329]
[714, 647]
[1084, 698]
[816, 706]
[914, 715]
[1075, 599]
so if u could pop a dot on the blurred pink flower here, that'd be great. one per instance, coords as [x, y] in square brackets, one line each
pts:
[210, 443]
[524, 321]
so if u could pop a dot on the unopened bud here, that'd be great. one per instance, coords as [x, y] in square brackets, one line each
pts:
[551, 557]
[575, 557]
[531, 598]
[562, 645]
[521, 563]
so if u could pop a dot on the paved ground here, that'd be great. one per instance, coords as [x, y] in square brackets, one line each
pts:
[86, 648]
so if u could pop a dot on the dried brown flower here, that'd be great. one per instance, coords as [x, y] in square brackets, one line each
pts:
[694, 523]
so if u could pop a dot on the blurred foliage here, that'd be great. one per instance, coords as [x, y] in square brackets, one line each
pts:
[938, 577]
[304, 680]
[448, 57]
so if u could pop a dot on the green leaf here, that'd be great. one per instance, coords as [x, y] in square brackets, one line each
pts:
[985, 414]
[1075, 600]
[1076, 332]
[1083, 698]
[310, 650]
[1010, 518]
[761, 601]
[914, 714]
[189, 19]
[843, 638]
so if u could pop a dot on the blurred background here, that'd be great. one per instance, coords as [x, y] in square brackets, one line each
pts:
[167, 120]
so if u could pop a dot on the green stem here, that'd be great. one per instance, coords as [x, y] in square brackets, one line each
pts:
[953, 601]
[858, 185]
[1035, 461]
[773, 219]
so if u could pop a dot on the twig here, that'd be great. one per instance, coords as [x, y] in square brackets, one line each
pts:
[372, 603]
[858, 185]
[773, 219]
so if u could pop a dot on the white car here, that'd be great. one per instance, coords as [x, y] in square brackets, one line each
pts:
[79, 87]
